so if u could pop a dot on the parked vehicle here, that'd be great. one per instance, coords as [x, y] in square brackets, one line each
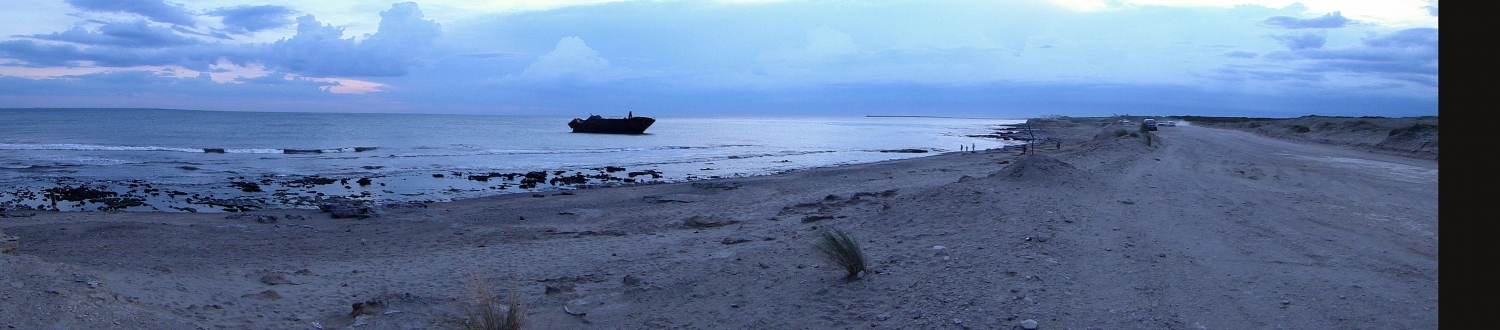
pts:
[1168, 123]
[1150, 124]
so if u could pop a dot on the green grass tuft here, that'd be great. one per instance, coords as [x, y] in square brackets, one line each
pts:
[836, 247]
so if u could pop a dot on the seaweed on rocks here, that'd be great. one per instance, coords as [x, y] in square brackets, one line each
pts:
[309, 182]
[77, 194]
[246, 186]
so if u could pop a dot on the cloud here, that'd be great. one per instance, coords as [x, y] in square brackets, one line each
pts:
[319, 50]
[570, 61]
[1409, 55]
[155, 10]
[31, 53]
[1327, 21]
[1301, 41]
[1239, 54]
[138, 34]
[824, 41]
[250, 19]
[1418, 38]
[1433, 9]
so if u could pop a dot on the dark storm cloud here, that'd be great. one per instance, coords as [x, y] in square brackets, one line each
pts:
[155, 10]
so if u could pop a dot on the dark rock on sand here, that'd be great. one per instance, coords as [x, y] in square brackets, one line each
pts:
[348, 208]
[246, 186]
[717, 185]
[680, 198]
[9, 244]
[275, 279]
[76, 194]
[368, 307]
[735, 240]
[261, 218]
[310, 181]
[699, 221]
[815, 218]
[559, 288]
[265, 295]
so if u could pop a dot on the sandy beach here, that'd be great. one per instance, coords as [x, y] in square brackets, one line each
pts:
[1204, 228]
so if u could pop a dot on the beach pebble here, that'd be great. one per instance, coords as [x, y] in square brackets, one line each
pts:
[630, 280]
[940, 251]
[1028, 324]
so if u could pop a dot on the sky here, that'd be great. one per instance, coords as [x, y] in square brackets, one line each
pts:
[962, 58]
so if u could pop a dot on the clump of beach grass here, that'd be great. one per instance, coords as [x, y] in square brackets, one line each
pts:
[483, 310]
[839, 249]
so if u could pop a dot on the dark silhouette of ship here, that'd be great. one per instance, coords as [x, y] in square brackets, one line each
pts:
[596, 124]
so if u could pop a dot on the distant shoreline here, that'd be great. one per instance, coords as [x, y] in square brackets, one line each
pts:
[944, 117]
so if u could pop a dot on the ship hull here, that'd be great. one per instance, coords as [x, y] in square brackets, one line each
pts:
[633, 125]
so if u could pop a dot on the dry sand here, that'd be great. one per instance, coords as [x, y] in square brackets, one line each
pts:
[1204, 229]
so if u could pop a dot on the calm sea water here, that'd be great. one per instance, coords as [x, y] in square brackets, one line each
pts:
[138, 152]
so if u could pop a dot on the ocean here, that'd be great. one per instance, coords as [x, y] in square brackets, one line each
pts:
[214, 161]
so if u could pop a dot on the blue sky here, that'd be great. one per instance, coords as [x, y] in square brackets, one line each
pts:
[728, 57]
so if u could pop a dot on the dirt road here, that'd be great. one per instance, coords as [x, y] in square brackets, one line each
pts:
[1229, 230]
